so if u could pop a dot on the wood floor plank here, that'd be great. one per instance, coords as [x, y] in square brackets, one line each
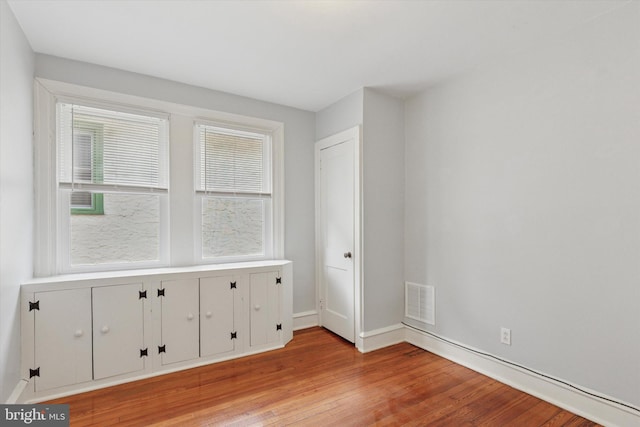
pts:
[319, 379]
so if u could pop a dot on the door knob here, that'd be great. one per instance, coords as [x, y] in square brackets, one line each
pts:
[347, 254]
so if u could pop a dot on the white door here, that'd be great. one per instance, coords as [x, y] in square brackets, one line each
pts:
[336, 231]
[118, 333]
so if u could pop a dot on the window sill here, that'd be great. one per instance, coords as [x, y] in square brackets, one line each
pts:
[166, 273]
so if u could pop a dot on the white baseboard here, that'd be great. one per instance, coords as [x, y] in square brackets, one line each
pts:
[590, 407]
[17, 392]
[305, 319]
[379, 338]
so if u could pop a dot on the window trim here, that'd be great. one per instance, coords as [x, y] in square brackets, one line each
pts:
[180, 241]
[52, 253]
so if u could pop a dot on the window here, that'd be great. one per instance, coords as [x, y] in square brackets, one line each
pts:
[111, 185]
[108, 197]
[87, 161]
[233, 187]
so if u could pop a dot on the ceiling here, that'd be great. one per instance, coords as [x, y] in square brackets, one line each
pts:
[304, 54]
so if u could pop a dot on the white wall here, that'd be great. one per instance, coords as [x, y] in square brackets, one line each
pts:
[299, 134]
[382, 121]
[343, 114]
[523, 205]
[383, 210]
[16, 189]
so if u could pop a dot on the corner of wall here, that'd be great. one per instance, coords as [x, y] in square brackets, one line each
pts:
[343, 114]
[16, 189]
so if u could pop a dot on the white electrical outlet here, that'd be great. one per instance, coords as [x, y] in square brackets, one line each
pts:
[505, 336]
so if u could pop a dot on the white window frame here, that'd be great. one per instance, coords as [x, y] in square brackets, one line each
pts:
[271, 246]
[63, 231]
[179, 225]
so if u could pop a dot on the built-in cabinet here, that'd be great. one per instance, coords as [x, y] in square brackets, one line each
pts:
[219, 321]
[62, 345]
[85, 332]
[266, 326]
[118, 330]
[178, 301]
[199, 317]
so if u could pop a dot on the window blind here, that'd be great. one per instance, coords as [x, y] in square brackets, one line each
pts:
[103, 148]
[231, 161]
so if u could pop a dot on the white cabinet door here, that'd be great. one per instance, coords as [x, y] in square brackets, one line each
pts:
[217, 310]
[118, 332]
[266, 326]
[62, 338]
[180, 339]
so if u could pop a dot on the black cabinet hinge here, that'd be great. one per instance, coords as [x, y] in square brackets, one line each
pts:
[234, 335]
[161, 292]
[144, 352]
[279, 327]
[233, 285]
[278, 280]
[142, 294]
[162, 349]
[34, 372]
[34, 305]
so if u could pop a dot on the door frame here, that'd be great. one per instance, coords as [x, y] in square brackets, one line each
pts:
[354, 133]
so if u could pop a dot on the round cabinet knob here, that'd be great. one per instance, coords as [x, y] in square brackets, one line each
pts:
[256, 307]
[78, 333]
[105, 329]
[347, 255]
[190, 316]
[209, 314]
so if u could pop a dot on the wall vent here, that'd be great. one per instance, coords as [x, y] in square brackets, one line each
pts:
[420, 302]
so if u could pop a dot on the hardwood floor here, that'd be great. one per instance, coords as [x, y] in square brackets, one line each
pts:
[319, 380]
